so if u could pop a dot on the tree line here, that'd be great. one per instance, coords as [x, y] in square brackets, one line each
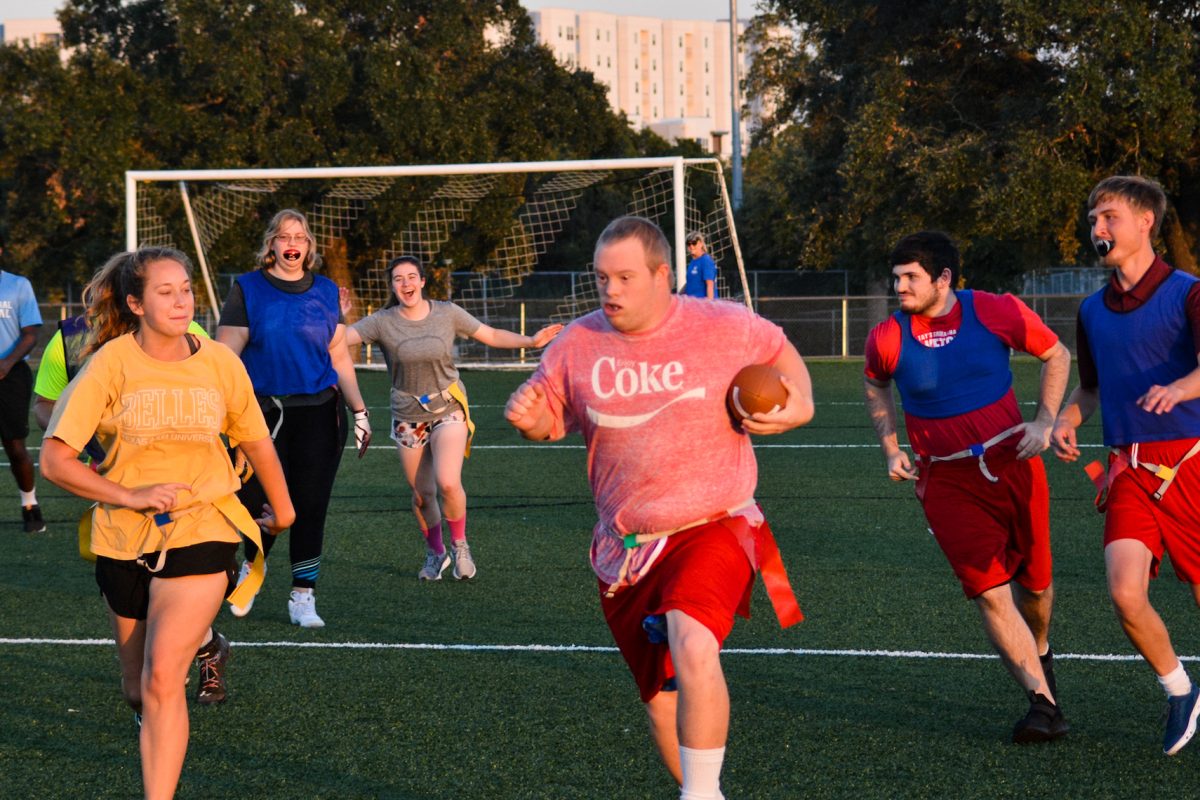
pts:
[192, 84]
[988, 119]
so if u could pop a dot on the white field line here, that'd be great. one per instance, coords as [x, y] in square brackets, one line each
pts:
[579, 648]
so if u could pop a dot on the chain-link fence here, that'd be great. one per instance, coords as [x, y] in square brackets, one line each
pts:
[835, 326]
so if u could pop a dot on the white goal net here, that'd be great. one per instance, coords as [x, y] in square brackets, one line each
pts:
[511, 243]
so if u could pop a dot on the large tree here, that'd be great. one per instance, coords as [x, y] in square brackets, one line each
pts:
[271, 83]
[989, 119]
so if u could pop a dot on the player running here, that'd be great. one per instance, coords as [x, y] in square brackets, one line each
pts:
[167, 522]
[61, 361]
[679, 536]
[1138, 340]
[979, 477]
[431, 420]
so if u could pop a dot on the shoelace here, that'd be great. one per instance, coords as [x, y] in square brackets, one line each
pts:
[210, 675]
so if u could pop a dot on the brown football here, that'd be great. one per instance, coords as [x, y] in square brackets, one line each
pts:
[755, 388]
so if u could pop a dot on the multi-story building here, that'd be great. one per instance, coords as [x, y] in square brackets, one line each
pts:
[669, 75]
[32, 32]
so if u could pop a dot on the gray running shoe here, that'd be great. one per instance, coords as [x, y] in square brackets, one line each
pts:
[464, 565]
[435, 564]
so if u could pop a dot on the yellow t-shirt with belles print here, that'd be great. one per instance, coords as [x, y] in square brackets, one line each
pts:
[160, 422]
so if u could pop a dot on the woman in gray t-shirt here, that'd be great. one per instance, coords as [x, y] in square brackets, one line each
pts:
[429, 421]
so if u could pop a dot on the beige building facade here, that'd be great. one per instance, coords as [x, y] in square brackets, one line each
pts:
[671, 76]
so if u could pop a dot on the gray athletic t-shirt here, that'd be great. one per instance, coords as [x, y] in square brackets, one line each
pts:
[419, 354]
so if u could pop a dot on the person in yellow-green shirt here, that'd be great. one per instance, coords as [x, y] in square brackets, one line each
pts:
[167, 522]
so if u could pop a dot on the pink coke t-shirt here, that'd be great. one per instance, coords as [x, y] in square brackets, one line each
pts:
[662, 450]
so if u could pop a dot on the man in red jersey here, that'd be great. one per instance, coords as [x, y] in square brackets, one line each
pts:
[679, 535]
[979, 477]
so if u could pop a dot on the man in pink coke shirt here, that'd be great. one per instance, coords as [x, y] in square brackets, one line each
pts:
[679, 536]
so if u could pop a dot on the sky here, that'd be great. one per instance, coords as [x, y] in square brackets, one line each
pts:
[674, 9]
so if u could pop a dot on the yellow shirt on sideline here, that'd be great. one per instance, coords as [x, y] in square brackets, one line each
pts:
[160, 422]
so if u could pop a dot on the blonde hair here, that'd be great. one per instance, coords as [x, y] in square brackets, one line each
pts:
[266, 257]
[107, 294]
[1142, 194]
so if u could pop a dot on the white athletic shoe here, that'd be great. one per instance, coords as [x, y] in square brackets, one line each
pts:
[241, 611]
[464, 565]
[302, 608]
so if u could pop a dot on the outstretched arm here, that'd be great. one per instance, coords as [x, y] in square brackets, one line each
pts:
[881, 408]
[495, 337]
[799, 408]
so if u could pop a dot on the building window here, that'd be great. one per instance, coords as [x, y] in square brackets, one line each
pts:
[705, 42]
[654, 64]
[681, 91]
[654, 88]
[653, 39]
[681, 113]
[681, 66]
[708, 112]
[570, 33]
[608, 61]
[706, 91]
[681, 41]
[597, 61]
[656, 111]
[597, 34]
[635, 88]
[635, 63]
[608, 36]
[560, 31]
[705, 67]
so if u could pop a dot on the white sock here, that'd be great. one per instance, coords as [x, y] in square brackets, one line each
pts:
[28, 498]
[701, 773]
[1176, 682]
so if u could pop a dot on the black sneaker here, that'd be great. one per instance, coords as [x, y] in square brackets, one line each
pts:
[32, 517]
[1043, 723]
[211, 659]
[1048, 670]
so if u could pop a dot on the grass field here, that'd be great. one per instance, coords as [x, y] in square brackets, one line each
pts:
[507, 686]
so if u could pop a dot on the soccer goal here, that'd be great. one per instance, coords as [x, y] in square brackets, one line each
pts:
[510, 242]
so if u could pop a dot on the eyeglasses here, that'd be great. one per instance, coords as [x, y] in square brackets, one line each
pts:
[298, 238]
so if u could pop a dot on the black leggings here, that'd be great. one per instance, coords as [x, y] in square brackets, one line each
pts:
[309, 443]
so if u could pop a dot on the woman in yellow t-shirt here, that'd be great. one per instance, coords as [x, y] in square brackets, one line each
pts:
[166, 524]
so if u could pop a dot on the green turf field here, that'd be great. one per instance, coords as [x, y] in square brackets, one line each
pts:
[417, 690]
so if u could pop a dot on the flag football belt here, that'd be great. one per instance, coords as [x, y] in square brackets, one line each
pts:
[1119, 461]
[452, 392]
[760, 547]
[978, 451]
[230, 507]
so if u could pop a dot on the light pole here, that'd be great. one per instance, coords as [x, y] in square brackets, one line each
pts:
[734, 97]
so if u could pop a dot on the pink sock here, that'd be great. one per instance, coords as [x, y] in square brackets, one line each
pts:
[433, 538]
[458, 529]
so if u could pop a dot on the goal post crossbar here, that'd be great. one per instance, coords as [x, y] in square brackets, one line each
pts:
[676, 163]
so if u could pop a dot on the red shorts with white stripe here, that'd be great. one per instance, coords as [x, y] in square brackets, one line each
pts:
[1170, 525]
[991, 533]
[703, 572]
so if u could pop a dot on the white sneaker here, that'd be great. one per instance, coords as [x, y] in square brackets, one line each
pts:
[241, 611]
[302, 608]
[464, 565]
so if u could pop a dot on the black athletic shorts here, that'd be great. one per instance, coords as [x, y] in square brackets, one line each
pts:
[125, 584]
[16, 392]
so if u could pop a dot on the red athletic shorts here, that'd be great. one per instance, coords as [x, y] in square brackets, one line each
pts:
[991, 533]
[703, 572]
[1170, 525]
